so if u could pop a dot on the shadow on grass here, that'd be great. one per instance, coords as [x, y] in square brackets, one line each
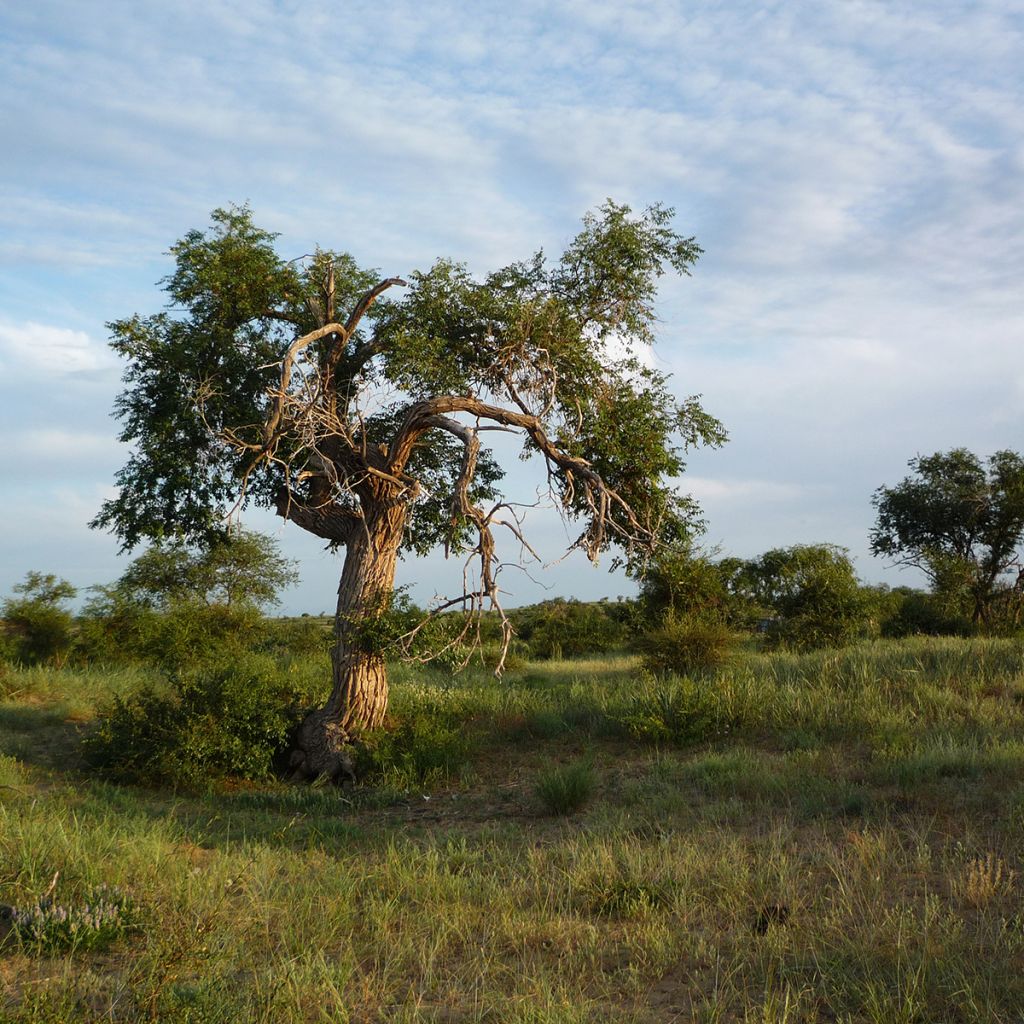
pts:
[43, 737]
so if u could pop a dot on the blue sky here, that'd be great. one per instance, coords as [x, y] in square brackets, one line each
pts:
[853, 170]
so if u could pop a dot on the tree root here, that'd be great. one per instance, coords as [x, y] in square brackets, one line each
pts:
[322, 751]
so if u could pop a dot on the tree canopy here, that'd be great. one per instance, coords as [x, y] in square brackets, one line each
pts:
[36, 626]
[252, 387]
[960, 522]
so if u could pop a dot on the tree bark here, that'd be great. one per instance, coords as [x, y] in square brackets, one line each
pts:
[359, 694]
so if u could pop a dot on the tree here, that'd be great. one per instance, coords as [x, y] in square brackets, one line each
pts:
[960, 523]
[813, 590]
[179, 604]
[685, 581]
[307, 387]
[242, 568]
[37, 621]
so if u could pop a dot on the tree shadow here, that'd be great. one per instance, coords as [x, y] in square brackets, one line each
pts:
[42, 737]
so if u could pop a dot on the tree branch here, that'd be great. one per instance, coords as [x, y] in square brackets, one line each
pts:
[599, 497]
[367, 351]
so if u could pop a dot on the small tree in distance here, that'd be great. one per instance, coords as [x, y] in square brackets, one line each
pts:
[307, 387]
[813, 591]
[38, 624]
[961, 524]
[243, 567]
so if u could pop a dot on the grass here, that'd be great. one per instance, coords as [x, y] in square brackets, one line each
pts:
[849, 850]
[565, 790]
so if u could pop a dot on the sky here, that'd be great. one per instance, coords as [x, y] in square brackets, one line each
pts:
[853, 170]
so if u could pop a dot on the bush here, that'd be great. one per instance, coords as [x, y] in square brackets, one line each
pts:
[423, 744]
[37, 628]
[566, 790]
[115, 629]
[906, 612]
[229, 719]
[560, 628]
[814, 595]
[679, 711]
[686, 645]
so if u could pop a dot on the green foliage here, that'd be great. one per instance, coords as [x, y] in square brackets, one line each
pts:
[100, 917]
[243, 567]
[676, 710]
[566, 789]
[187, 377]
[425, 742]
[230, 719]
[685, 582]
[562, 628]
[904, 611]
[542, 340]
[813, 592]
[961, 523]
[686, 644]
[178, 606]
[115, 629]
[36, 627]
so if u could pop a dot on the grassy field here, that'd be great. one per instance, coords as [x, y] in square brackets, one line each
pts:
[826, 837]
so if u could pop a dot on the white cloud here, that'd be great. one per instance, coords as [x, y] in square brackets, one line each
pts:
[49, 349]
[721, 490]
[53, 449]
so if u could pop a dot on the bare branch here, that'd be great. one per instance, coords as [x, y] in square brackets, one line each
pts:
[367, 351]
[599, 498]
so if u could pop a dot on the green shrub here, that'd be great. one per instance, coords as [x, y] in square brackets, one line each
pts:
[813, 593]
[37, 628]
[228, 719]
[566, 790]
[567, 629]
[114, 630]
[907, 612]
[686, 645]
[682, 711]
[423, 744]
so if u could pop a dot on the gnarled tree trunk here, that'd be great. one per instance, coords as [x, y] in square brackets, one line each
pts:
[359, 694]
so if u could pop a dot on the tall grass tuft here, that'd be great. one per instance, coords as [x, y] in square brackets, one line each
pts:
[566, 790]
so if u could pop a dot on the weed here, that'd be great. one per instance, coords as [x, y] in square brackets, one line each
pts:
[621, 897]
[983, 880]
[100, 917]
[567, 790]
[681, 711]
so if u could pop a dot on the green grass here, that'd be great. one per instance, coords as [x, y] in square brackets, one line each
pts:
[849, 850]
[566, 790]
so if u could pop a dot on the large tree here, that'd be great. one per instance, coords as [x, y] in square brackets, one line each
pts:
[961, 523]
[307, 386]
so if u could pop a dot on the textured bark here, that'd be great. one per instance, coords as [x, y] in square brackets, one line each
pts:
[359, 695]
